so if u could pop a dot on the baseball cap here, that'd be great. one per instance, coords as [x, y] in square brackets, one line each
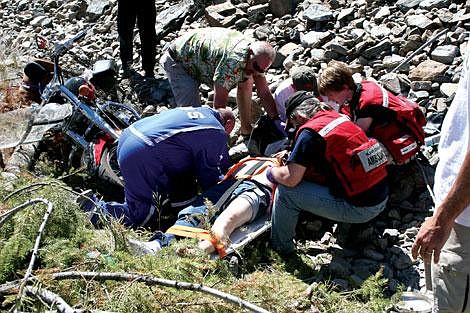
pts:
[304, 78]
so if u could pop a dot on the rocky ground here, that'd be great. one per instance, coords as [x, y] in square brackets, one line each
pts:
[374, 37]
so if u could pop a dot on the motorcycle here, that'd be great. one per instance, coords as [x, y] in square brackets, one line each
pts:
[71, 107]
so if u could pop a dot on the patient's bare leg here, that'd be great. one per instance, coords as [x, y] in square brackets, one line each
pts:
[238, 213]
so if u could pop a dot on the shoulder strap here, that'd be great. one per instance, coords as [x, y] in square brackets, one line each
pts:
[248, 174]
[353, 104]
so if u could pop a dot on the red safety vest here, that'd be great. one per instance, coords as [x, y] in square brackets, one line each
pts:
[403, 133]
[358, 162]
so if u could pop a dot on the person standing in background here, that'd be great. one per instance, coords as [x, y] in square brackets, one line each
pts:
[445, 236]
[144, 13]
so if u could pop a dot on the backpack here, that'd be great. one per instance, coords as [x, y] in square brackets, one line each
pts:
[403, 133]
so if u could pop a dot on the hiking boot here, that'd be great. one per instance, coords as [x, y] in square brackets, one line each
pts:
[144, 247]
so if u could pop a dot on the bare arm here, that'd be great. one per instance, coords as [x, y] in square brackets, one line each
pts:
[289, 175]
[265, 95]
[435, 231]
[220, 96]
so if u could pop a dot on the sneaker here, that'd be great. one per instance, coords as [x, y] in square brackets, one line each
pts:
[138, 247]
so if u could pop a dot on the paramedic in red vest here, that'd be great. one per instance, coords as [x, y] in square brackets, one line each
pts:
[334, 171]
[378, 112]
[169, 155]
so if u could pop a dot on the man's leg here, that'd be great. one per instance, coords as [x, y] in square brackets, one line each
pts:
[238, 213]
[185, 88]
[148, 38]
[289, 202]
[247, 202]
[143, 175]
[126, 19]
[451, 276]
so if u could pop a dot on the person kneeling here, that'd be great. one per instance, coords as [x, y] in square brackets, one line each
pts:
[334, 171]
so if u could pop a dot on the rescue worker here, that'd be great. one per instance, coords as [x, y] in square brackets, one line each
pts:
[393, 120]
[222, 59]
[334, 171]
[165, 157]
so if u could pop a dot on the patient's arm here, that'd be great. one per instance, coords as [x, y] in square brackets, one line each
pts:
[238, 213]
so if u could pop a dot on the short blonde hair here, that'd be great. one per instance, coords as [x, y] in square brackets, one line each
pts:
[334, 77]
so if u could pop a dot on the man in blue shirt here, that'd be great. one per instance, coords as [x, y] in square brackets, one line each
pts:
[168, 155]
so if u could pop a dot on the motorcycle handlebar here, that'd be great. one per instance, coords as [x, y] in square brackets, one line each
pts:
[62, 47]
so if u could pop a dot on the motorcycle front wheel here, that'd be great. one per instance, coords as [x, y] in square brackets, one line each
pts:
[108, 169]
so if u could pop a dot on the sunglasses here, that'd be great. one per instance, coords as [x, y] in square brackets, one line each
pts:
[257, 68]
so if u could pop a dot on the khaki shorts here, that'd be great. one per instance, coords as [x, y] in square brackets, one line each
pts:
[451, 277]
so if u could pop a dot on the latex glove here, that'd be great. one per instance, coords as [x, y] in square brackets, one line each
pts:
[281, 126]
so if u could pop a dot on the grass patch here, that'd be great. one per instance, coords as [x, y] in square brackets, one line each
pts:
[71, 243]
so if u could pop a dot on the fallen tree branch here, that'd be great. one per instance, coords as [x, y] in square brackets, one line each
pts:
[24, 189]
[8, 286]
[8, 214]
[50, 298]
[39, 185]
[150, 280]
[36, 245]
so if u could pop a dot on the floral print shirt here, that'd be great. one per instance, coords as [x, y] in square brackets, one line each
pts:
[213, 55]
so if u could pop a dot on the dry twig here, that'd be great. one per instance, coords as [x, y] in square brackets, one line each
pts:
[36, 245]
[150, 280]
[28, 187]
[430, 41]
[39, 185]
[8, 214]
[50, 298]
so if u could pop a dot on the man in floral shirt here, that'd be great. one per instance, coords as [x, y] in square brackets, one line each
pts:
[223, 59]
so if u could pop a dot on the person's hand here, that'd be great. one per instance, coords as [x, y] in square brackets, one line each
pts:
[281, 156]
[430, 239]
[280, 126]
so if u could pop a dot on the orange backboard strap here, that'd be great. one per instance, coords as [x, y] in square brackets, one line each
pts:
[198, 233]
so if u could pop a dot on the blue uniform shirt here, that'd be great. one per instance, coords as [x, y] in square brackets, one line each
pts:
[171, 153]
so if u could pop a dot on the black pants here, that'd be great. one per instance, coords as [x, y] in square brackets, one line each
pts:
[144, 13]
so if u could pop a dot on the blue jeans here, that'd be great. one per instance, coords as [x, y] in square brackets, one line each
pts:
[316, 199]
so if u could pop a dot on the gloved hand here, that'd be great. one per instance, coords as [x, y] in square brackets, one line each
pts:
[280, 126]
